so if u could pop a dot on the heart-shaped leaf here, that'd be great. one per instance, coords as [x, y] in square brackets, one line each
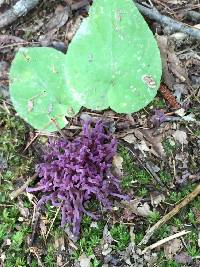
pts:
[113, 59]
[38, 90]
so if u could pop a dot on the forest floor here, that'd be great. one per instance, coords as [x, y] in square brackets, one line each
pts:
[158, 156]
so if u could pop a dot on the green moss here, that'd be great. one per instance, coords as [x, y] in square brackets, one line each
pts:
[132, 173]
[19, 237]
[121, 235]
[168, 147]
[162, 232]
[193, 167]
[8, 221]
[13, 140]
[191, 217]
[154, 217]
[50, 259]
[177, 222]
[138, 237]
[90, 236]
[158, 103]
[165, 177]
[169, 263]
[175, 197]
[143, 192]
[197, 133]
[17, 261]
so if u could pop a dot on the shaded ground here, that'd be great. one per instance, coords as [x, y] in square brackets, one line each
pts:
[158, 150]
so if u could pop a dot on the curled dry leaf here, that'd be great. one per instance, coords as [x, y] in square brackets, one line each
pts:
[106, 241]
[106, 250]
[156, 198]
[130, 138]
[180, 112]
[137, 207]
[60, 243]
[175, 66]
[72, 27]
[3, 69]
[171, 248]
[107, 238]
[43, 227]
[58, 19]
[142, 146]
[183, 258]
[154, 142]
[23, 211]
[144, 140]
[59, 261]
[117, 165]
[85, 261]
[181, 137]
[163, 45]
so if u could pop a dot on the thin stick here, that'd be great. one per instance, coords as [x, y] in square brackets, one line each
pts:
[32, 250]
[19, 9]
[52, 222]
[17, 192]
[31, 141]
[169, 215]
[165, 240]
[37, 217]
[152, 13]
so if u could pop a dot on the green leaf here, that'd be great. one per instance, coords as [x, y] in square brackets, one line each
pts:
[38, 90]
[113, 60]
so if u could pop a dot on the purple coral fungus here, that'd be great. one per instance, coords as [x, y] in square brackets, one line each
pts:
[76, 171]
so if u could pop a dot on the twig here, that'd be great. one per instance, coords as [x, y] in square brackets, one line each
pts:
[5, 39]
[34, 226]
[165, 240]
[19, 9]
[2, 2]
[17, 192]
[169, 215]
[176, 26]
[193, 15]
[17, 44]
[80, 4]
[52, 222]
[146, 166]
[32, 250]
[31, 141]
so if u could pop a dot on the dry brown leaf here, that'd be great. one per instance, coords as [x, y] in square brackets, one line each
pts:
[144, 140]
[137, 207]
[106, 250]
[171, 248]
[85, 261]
[168, 79]
[181, 137]
[59, 261]
[58, 19]
[154, 142]
[156, 198]
[117, 164]
[129, 138]
[176, 67]
[72, 27]
[60, 243]
[183, 258]
[43, 227]
[23, 211]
